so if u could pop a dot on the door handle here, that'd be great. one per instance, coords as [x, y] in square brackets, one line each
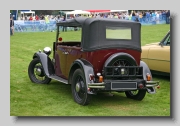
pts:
[65, 53]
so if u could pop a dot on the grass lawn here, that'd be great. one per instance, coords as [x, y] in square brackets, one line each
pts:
[55, 99]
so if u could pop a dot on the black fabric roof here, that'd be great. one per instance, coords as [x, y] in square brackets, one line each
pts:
[94, 33]
[79, 21]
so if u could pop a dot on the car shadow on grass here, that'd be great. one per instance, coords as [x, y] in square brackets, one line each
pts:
[103, 98]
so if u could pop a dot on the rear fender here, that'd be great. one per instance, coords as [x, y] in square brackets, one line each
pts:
[85, 66]
[145, 71]
[46, 63]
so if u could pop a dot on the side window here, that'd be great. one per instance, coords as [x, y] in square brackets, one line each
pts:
[167, 41]
[73, 34]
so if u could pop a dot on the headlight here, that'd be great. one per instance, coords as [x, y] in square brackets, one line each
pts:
[47, 50]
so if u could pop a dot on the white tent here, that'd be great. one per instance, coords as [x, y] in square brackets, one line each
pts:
[23, 13]
[77, 12]
[119, 11]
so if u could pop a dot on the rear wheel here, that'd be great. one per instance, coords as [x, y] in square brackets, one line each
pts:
[79, 88]
[136, 95]
[36, 72]
[127, 61]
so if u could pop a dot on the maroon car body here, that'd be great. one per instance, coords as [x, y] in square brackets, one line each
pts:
[106, 58]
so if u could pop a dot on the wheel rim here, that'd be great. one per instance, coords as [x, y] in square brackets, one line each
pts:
[79, 88]
[38, 73]
[133, 93]
[122, 63]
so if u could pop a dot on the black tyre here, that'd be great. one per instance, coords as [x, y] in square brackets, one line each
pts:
[136, 95]
[79, 88]
[36, 72]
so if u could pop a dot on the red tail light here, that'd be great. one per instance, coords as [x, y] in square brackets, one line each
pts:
[91, 77]
[141, 86]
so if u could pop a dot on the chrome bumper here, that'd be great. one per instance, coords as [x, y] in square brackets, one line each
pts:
[152, 83]
[148, 84]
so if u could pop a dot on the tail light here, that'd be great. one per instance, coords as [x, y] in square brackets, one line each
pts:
[100, 79]
[148, 77]
[91, 77]
[140, 86]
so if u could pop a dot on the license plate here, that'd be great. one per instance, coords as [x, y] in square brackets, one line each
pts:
[124, 85]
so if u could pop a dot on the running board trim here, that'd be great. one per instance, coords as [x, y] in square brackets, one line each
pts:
[58, 79]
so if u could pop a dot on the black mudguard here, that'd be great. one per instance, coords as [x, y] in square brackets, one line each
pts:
[46, 63]
[85, 66]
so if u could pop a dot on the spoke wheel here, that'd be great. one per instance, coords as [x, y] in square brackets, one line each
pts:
[122, 62]
[136, 95]
[36, 72]
[79, 88]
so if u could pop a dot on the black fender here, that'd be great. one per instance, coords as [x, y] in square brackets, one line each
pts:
[85, 66]
[46, 63]
[121, 55]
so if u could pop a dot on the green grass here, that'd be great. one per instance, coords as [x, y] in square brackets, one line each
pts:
[55, 99]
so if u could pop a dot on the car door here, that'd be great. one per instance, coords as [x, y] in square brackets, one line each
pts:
[74, 53]
[159, 56]
[60, 61]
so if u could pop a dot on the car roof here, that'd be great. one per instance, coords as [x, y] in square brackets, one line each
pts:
[80, 21]
[94, 33]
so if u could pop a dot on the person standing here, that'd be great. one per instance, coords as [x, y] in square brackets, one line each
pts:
[11, 26]
[168, 17]
[47, 22]
[31, 18]
[64, 27]
[37, 18]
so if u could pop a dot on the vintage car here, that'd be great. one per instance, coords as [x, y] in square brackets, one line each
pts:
[105, 59]
[157, 56]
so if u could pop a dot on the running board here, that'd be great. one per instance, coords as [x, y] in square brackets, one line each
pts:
[58, 79]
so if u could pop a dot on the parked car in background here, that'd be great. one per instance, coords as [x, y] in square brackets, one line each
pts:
[157, 56]
[105, 58]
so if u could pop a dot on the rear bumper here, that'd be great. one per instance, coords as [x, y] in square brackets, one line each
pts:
[123, 85]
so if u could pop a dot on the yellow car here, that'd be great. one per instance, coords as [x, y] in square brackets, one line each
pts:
[157, 56]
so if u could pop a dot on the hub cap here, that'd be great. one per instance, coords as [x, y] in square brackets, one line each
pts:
[78, 87]
[38, 71]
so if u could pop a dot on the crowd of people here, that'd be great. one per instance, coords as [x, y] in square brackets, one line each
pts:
[148, 17]
[141, 16]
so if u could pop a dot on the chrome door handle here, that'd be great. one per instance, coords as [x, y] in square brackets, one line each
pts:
[65, 53]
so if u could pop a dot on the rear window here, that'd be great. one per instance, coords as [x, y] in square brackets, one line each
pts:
[118, 33]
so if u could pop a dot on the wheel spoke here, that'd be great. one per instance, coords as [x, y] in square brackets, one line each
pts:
[38, 66]
[134, 92]
[81, 93]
